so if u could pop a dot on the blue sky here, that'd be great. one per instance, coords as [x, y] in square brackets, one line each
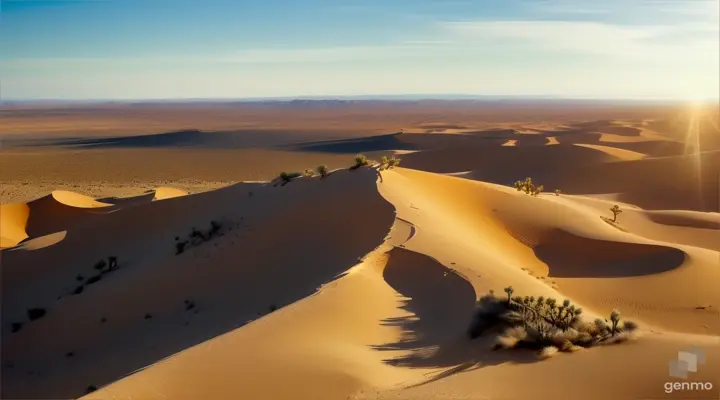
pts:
[139, 49]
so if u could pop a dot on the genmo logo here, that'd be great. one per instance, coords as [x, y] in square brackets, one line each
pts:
[687, 361]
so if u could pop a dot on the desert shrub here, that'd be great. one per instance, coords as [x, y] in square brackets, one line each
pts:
[36, 313]
[148, 316]
[360, 161]
[79, 278]
[286, 177]
[540, 323]
[528, 187]
[100, 265]
[273, 307]
[189, 304]
[547, 352]
[322, 170]
[558, 192]
[16, 326]
[309, 173]
[388, 163]
[180, 247]
[78, 289]
[70, 354]
[91, 388]
[615, 210]
[93, 279]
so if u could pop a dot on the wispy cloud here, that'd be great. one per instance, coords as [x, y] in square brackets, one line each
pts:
[317, 55]
[590, 37]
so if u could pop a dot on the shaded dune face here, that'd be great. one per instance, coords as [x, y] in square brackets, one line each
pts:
[439, 300]
[276, 254]
[571, 256]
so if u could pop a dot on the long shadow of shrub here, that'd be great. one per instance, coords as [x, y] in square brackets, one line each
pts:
[439, 303]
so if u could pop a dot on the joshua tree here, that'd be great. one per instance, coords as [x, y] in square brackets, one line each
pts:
[615, 210]
[509, 290]
[322, 171]
[615, 318]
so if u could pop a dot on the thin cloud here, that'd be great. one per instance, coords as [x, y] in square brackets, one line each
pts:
[586, 37]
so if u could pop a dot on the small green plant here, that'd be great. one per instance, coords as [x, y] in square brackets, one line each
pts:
[615, 210]
[393, 162]
[309, 173]
[528, 187]
[322, 170]
[286, 177]
[360, 161]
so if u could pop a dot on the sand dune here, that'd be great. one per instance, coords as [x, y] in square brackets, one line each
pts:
[50, 214]
[621, 154]
[220, 277]
[163, 193]
[362, 285]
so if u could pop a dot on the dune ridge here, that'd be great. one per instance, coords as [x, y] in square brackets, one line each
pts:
[362, 284]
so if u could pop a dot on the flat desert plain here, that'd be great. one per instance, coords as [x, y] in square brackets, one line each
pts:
[152, 251]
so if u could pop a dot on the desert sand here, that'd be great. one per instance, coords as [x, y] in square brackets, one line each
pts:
[232, 284]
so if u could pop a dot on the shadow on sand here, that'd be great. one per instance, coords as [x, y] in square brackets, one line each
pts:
[440, 304]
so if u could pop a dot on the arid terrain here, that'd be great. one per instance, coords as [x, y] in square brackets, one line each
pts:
[152, 251]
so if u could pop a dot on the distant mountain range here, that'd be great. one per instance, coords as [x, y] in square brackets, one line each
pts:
[339, 100]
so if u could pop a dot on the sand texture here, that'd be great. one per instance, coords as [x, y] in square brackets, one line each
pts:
[179, 266]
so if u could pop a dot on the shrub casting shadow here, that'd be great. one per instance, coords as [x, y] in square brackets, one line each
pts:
[441, 303]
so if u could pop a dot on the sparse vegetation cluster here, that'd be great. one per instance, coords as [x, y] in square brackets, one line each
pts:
[527, 186]
[197, 237]
[360, 161]
[543, 324]
[388, 163]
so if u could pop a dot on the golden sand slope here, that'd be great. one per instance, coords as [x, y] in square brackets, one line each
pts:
[162, 193]
[13, 220]
[614, 151]
[61, 210]
[49, 214]
[457, 239]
